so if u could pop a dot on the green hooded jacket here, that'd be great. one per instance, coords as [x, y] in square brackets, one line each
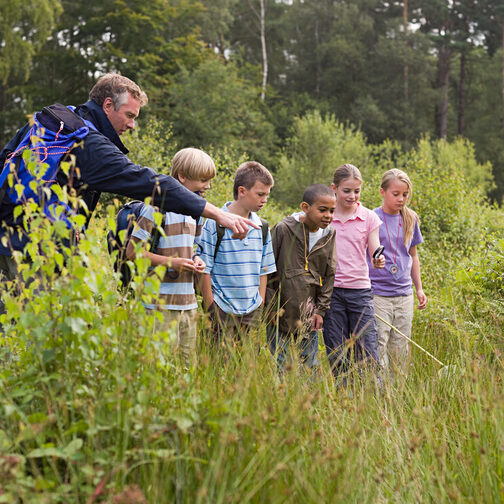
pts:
[303, 282]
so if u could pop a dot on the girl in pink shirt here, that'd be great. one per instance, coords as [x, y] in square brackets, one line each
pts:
[349, 325]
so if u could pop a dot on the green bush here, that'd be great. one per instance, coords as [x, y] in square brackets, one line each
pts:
[315, 149]
[96, 407]
[214, 108]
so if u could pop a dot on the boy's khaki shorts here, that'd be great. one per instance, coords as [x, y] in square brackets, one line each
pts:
[186, 331]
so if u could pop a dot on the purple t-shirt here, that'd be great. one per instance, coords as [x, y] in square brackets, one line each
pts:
[383, 281]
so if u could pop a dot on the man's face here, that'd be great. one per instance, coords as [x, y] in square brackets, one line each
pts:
[122, 119]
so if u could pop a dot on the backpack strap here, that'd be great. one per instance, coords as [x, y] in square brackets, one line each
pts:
[264, 229]
[221, 230]
[220, 234]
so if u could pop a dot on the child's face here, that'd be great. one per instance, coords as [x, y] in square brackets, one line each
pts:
[197, 186]
[320, 214]
[347, 193]
[255, 198]
[395, 196]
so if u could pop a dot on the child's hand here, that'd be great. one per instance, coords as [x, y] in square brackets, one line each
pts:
[199, 264]
[422, 299]
[181, 264]
[379, 262]
[316, 322]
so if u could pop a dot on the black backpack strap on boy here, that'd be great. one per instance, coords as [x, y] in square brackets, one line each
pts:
[221, 230]
[125, 220]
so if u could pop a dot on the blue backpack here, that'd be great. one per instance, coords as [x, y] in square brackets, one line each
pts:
[54, 132]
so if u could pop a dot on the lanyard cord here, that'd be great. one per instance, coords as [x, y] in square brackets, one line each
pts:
[388, 234]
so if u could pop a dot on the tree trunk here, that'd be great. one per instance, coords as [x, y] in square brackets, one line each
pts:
[405, 72]
[443, 75]
[405, 69]
[461, 97]
[264, 52]
[502, 55]
[317, 56]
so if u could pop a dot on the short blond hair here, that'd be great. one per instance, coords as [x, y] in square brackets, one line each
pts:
[117, 87]
[193, 164]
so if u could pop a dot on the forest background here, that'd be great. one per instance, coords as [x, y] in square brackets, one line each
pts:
[94, 405]
[236, 74]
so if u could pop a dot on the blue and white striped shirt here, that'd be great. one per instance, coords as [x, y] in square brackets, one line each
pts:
[239, 264]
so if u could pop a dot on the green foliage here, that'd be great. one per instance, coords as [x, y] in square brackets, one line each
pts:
[451, 172]
[152, 145]
[214, 107]
[25, 27]
[221, 190]
[447, 178]
[484, 274]
[97, 407]
[315, 149]
[201, 62]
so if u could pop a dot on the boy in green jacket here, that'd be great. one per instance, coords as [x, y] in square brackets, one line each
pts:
[299, 294]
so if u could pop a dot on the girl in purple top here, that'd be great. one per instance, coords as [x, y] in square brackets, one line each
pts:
[349, 328]
[391, 286]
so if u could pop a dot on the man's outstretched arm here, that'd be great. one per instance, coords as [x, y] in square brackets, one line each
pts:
[105, 168]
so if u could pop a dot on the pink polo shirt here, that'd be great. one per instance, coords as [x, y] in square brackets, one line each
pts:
[351, 246]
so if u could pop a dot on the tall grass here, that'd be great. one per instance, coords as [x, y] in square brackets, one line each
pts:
[95, 405]
[94, 402]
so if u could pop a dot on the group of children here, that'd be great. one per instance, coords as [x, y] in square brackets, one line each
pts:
[318, 269]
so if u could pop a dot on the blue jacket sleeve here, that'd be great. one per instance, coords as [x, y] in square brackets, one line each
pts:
[103, 167]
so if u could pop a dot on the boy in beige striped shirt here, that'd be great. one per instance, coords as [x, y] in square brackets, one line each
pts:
[194, 169]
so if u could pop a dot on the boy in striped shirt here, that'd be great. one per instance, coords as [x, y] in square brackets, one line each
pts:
[194, 169]
[234, 283]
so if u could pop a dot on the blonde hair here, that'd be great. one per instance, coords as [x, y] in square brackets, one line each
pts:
[193, 164]
[117, 87]
[409, 217]
[344, 172]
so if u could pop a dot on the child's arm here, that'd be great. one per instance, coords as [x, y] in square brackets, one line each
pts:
[206, 290]
[417, 280]
[199, 263]
[373, 244]
[323, 300]
[263, 280]
[176, 263]
[272, 280]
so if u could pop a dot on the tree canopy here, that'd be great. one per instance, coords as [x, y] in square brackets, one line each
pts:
[396, 70]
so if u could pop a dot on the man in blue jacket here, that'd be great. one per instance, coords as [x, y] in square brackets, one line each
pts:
[113, 106]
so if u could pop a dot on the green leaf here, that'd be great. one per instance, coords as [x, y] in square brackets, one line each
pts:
[73, 447]
[76, 324]
[50, 451]
[19, 190]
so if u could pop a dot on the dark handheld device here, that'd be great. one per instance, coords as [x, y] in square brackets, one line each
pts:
[378, 252]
